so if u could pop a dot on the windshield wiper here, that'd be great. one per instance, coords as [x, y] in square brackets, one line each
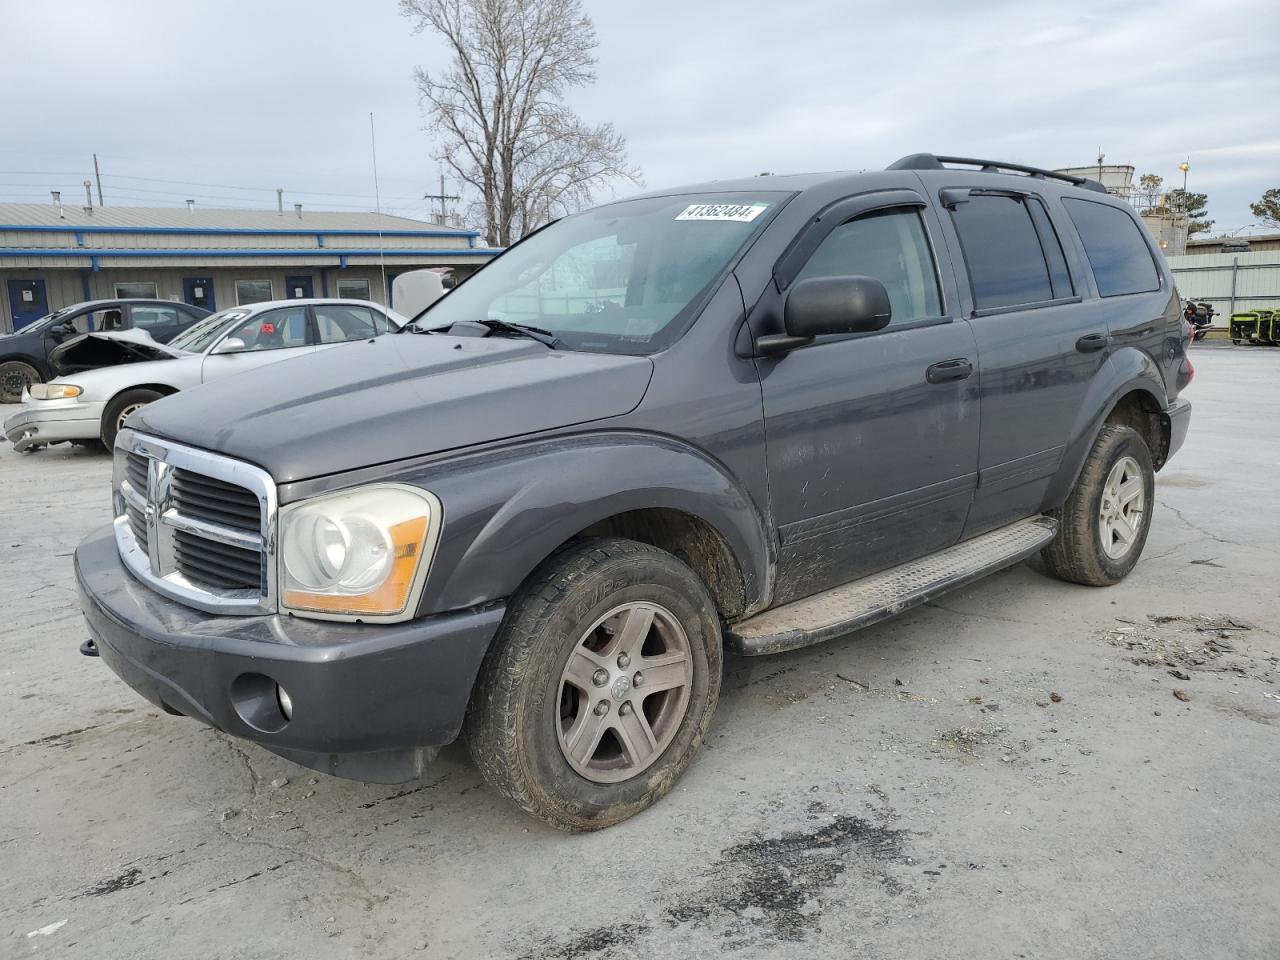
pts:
[522, 329]
[545, 337]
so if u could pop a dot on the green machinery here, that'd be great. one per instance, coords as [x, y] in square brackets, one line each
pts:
[1256, 326]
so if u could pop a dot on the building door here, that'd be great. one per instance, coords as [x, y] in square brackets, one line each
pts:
[198, 291]
[298, 288]
[27, 302]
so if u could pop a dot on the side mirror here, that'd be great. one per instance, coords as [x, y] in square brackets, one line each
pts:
[830, 305]
[231, 345]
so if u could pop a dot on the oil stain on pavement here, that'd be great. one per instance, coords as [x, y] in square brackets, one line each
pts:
[762, 889]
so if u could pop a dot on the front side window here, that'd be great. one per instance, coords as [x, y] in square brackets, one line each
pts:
[274, 330]
[337, 323]
[144, 290]
[106, 320]
[624, 278]
[353, 290]
[252, 291]
[1118, 254]
[889, 246]
[1001, 251]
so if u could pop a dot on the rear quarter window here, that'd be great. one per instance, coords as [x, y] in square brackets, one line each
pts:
[1118, 253]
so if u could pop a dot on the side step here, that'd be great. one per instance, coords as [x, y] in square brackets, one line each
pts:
[851, 606]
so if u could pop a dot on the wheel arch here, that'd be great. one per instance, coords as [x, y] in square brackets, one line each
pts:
[1128, 391]
[162, 388]
[41, 367]
[507, 512]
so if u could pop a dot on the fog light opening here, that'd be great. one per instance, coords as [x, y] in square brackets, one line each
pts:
[286, 704]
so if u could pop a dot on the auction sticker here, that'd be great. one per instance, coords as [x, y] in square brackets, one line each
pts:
[737, 212]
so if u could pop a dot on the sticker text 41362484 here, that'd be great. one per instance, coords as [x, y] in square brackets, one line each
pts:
[736, 212]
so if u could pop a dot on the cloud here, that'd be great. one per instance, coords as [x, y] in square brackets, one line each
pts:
[279, 94]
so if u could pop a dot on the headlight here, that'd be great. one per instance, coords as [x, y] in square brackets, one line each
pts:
[362, 554]
[54, 391]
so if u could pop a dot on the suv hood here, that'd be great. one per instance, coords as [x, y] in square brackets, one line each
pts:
[91, 350]
[395, 397]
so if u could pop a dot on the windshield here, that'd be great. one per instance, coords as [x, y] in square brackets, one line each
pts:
[48, 320]
[199, 338]
[624, 278]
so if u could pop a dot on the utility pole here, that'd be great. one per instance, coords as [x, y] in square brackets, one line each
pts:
[97, 175]
[88, 196]
[442, 197]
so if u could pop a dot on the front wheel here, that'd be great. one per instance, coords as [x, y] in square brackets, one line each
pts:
[16, 376]
[1103, 526]
[600, 686]
[119, 409]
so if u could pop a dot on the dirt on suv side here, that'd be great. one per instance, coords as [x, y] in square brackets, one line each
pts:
[752, 415]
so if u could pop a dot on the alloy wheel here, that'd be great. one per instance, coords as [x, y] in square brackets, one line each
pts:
[624, 692]
[1123, 508]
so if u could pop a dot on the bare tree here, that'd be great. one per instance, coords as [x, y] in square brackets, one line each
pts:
[500, 114]
[1149, 189]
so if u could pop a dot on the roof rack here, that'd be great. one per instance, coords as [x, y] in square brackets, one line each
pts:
[927, 161]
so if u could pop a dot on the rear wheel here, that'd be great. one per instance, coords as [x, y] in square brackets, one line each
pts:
[16, 376]
[600, 685]
[1103, 526]
[119, 409]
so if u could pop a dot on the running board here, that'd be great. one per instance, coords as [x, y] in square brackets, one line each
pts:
[858, 604]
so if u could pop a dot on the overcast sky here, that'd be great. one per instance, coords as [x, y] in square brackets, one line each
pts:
[266, 93]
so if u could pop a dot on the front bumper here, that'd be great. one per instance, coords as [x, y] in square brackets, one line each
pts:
[53, 421]
[369, 702]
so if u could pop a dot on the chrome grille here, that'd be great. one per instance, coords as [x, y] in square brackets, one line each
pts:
[214, 501]
[137, 523]
[195, 526]
[136, 471]
[214, 564]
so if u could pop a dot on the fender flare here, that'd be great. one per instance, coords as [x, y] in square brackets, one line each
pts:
[41, 366]
[507, 510]
[1124, 372]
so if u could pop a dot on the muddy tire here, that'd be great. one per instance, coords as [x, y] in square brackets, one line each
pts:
[600, 685]
[119, 409]
[1103, 526]
[15, 376]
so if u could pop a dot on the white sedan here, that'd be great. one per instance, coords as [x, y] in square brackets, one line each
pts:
[92, 404]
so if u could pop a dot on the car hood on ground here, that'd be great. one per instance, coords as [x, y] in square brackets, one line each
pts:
[396, 397]
[92, 350]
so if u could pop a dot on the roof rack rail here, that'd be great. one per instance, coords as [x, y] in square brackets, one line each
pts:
[927, 161]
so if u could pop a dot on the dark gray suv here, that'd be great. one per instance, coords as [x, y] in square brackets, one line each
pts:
[753, 414]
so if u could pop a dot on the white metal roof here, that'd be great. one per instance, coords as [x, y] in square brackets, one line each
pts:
[46, 214]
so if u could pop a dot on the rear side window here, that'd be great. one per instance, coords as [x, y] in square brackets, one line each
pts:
[1059, 275]
[340, 323]
[891, 247]
[145, 317]
[1006, 264]
[1118, 254]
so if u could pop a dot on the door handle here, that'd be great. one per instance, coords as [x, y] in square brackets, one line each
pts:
[947, 370]
[1091, 342]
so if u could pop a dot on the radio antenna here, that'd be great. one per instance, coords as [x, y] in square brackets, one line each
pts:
[377, 200]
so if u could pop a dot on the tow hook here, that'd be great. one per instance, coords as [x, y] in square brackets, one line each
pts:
[89, 648]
